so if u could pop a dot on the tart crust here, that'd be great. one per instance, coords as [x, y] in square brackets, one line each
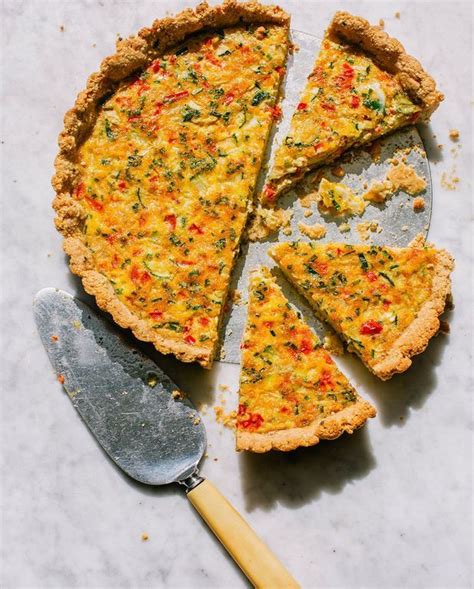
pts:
[330, 428]
[389, 54]
[133, 54]
[417, 335]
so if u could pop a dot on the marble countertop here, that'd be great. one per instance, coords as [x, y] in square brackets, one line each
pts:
[389, 507]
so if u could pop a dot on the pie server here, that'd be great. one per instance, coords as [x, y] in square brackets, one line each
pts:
[142, 421]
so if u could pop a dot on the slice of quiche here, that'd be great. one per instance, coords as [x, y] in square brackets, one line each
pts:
[158, 163]
[363, 86]
[291, 392]
[385, 302]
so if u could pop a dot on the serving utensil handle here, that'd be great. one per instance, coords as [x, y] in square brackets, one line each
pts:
[259, 564]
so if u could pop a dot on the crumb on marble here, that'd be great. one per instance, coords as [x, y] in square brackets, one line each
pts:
[454, 134]
[61, 28]
[61, 378]
[397, 14]
[405, 228]
[224, 388]
[145, 537]
[344, 228]
[381, 23]
[176, 394]
[54, 338]
[307, 213]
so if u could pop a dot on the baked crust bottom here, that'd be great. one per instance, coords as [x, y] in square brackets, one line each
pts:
[133, 54]
[329, 428]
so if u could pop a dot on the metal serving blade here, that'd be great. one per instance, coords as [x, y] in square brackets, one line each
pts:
[127, 402]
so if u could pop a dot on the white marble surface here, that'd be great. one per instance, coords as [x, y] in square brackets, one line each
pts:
[389, 507]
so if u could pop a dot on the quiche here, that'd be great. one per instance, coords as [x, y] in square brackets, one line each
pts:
[385, 302]
[291, 392]
[157, 167]
[363, 86]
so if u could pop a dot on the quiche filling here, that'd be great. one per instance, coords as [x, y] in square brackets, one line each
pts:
[348, 100]
[369, 294]
[287, 379]
[168, 173]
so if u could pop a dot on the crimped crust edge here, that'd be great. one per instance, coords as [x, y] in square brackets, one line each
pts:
[330, 428]
[133, 54]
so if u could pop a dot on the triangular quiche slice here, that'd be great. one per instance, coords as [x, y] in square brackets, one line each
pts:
[158, 163]
[385, 302]
[291, 392]
[363, 86]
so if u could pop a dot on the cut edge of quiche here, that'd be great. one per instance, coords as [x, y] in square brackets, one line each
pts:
[415, 336]
[287, 376]
[132, 55]
[388, 54]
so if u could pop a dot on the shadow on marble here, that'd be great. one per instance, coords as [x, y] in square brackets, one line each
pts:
[433, 152]
[400, 397]
[296, 478]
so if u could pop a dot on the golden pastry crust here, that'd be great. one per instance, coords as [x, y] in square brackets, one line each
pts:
[330, 428]
[132, 54]
[389, 54]
[417, 335]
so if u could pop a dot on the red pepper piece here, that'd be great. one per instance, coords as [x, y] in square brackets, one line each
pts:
[156, 314]
[302, 106]
[196, 229]
[189, 339]
[175, 97]
[371, 276]
[171, 221]
[371, 328]
[355, 101]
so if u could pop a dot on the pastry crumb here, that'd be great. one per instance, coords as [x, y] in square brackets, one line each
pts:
[364, 229]
[177, 394]
[419, 204]
[316, 231]
[145, 537]
[224, 388]
[449, 180]
[61, 378]
[226, 419]
[338, 171]
[381, 23]
[454, 134]
[397, 14]
[62, 28]
[287, 231]
[236, 296]
[307, 213]
[344, 227]
[54, 338]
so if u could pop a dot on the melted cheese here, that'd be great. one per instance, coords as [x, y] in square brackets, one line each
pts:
[168, 173]
[287, 380]
[348, 100]
[369, 294]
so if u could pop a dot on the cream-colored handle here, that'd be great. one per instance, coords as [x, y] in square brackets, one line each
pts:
[255, 559]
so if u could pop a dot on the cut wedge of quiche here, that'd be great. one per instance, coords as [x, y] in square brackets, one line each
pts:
[384, 302]
[291, 392]
[158, 163]
[362, 87]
